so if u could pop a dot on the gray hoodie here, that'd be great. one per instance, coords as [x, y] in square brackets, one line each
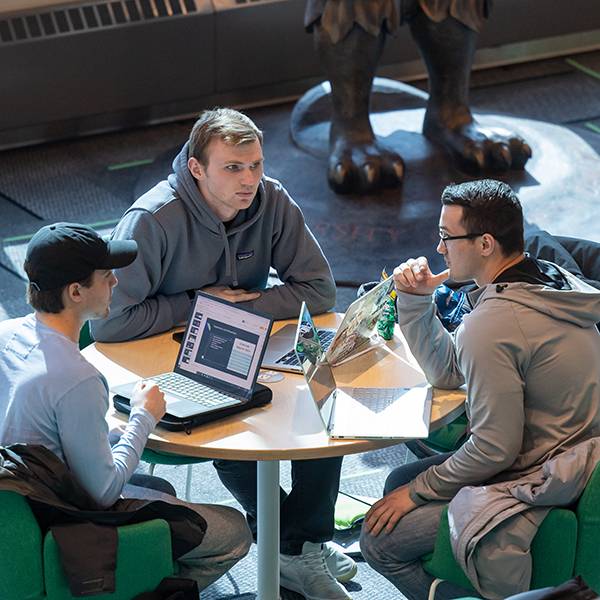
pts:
[530, 356]
[184, 246]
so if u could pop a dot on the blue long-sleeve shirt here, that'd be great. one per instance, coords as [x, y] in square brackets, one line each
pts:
[50, 395]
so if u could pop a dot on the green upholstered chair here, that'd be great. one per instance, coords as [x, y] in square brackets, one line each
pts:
[30, 567]
[85, 336]
[565, 545]
[587, 555]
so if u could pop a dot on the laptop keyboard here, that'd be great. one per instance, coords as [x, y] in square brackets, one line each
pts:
[192, 390]
[325, 337]
[377, 399]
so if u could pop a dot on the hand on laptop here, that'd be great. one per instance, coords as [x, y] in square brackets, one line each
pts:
[148, 395]
[385, 513]
[229, 294]
[415, 277]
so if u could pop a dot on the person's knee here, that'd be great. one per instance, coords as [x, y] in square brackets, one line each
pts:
[152, 482]
[373, 550]
[231, 470]
[241, 536]
[397, 478]
[166, 487]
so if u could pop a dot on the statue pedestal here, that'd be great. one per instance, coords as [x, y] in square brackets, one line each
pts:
[559, 189]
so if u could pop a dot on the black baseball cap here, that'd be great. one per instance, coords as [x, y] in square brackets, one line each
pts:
[64, 253]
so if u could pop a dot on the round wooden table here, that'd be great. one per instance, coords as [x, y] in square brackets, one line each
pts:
[288, 428]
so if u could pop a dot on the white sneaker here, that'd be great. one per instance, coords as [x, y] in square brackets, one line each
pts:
[341, 566]
[307, 574]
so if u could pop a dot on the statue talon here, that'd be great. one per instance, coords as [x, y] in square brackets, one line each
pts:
[501, 158]
[520, 151]
[477, 149]
[349, 37]
[363, 168]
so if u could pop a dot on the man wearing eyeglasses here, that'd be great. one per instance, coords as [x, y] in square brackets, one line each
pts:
[530, 336]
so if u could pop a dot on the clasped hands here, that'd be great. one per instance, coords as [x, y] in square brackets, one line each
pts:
[231, 295]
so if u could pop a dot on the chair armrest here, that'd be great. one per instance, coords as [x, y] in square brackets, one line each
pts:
[587, 558]
[143, 559]
[553, 552]
[441, 562]
[21, 569]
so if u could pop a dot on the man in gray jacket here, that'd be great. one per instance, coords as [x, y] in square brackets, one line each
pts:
[219, 224]
[529, 353]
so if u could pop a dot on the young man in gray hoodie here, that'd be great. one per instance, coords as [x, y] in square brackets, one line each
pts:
[529, 353]
[218, 224]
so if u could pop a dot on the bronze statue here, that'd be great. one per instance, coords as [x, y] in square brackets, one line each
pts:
[349, 37]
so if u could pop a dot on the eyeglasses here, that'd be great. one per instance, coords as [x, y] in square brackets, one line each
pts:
[448, 238]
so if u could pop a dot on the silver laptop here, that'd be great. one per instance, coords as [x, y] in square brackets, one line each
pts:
[353, 336]
[359, 413]
[218, 360]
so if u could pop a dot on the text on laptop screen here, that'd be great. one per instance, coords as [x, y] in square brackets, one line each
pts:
[223, 343]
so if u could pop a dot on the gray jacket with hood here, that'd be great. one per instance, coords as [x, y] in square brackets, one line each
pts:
[184, 246]
[530, 357]
[492, 526]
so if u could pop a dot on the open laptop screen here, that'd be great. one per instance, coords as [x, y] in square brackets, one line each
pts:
[359, 323]
[318, 374]
[223, 345]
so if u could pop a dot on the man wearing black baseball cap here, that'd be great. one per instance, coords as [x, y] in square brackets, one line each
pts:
[51, 396]
[66, 252]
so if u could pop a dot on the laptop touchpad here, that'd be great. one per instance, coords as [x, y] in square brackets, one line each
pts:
[181, 408]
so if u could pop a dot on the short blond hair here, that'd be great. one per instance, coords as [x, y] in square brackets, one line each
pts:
[229, 125]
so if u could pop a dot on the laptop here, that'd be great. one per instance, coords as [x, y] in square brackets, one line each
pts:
[353, 336]
[360, 413]
[218, 360]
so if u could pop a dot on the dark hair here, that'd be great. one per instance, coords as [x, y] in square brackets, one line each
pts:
[51, 301]
[492, 207]
[229, 125]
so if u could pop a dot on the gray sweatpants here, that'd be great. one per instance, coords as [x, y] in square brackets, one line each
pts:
[227, 538]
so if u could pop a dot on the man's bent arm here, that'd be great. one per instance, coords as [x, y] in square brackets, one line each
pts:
[284, 301]
[136, 311]
[81, 419]
[431, 345]
[496, 408]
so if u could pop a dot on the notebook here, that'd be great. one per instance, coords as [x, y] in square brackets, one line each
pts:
[354, 335]
[360, 413]
[218, 360]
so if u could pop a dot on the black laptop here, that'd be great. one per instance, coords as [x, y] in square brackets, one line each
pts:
[217, 365]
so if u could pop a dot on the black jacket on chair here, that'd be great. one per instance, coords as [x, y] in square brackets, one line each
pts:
[61, 505]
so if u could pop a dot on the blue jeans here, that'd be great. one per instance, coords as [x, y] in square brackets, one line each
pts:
[307, 512]
[396, 555]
